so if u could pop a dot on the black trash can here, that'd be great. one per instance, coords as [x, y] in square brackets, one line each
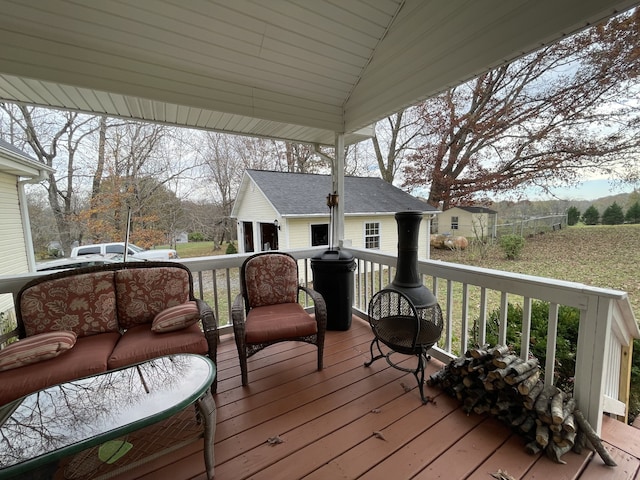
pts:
[333, 278]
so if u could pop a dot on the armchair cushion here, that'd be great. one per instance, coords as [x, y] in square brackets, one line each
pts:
[271, 279]
[35, 349]
[277, 322]
[176, 318]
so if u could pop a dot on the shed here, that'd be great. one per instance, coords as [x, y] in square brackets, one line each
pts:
[280, 210]
[471, 222]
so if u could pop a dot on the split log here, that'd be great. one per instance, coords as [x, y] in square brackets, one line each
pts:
[542, 435]
[569, 425]
[593, 438]
[504, 361]
[526, 385]
[557, 403]
[520, 368]
[555, 452]
[532, 448]
[532, 396]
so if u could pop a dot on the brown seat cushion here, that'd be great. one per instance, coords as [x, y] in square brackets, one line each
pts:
[278, 322]
[140, 343]
[87, 357]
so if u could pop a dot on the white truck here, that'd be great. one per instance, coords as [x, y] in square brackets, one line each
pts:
[133, 252]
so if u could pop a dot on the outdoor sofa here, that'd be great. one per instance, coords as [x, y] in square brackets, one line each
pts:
[81, 322]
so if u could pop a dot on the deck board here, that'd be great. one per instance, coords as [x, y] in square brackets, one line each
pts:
[327, 422]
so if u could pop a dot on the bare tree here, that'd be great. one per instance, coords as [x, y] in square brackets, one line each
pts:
[394, 138]
[56, 139]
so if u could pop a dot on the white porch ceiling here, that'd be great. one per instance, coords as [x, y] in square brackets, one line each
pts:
[300, 70]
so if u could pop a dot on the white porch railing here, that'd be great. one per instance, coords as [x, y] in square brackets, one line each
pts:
[607, 323]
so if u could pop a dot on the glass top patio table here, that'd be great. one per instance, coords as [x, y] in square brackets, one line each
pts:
[64, 419]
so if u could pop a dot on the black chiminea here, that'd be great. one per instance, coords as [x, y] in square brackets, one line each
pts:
[405, 315]
[407, 279]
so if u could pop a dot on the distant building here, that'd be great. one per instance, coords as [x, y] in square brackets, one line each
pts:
[470, 222]
[279, 210]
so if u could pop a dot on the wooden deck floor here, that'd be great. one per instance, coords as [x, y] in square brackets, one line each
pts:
[327, 423]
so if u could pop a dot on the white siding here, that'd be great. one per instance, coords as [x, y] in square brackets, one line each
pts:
[298, 231]
[253, 207]
[12, 243]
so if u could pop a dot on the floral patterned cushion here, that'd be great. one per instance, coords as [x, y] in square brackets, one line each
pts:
[84, 304]
[271, 279]
[142, 293]
[36, 349]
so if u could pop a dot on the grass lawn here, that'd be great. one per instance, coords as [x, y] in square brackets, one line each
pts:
[600, 256]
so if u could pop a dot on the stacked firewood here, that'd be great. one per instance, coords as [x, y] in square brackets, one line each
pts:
[498, 382]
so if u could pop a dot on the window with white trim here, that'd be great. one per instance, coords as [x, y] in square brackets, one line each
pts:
[454, 223]
[372, 235]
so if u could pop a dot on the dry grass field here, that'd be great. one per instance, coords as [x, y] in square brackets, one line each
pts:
[600, 256]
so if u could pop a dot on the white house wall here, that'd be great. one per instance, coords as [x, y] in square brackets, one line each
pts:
[12, 240]
[298, 231]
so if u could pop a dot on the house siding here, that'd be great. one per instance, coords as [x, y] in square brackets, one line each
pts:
[12, 240]
[470, 225]
[298, 230]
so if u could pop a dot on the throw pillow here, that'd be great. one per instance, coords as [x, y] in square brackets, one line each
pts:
[176, 318]
[36, 348]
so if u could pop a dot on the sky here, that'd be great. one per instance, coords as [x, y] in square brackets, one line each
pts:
[587, 190]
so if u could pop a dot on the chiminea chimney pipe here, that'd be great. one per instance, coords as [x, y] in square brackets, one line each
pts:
[407, 279]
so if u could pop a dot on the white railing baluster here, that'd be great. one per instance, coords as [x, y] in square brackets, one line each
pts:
[449, 317]
[552, 333]
[482, 318]
[526, 328]
[464, 334]
[504, 318]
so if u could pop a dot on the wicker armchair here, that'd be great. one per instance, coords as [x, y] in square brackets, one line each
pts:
[267, 310]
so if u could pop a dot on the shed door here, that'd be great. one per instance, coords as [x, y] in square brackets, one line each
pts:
[247, 230]
[268, 236]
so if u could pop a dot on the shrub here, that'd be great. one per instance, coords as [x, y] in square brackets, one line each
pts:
[196, 237]
[591, 216]
[231, 249]
[512, 245]
[566, 338]
[633, 214]
[573, 215]
[613, 215]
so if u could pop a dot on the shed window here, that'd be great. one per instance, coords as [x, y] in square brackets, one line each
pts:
[319, 235]
[372, 235]
[454, 223]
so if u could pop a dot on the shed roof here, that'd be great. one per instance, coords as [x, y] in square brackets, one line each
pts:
[299, 70]
[300, 194]
[477, 209]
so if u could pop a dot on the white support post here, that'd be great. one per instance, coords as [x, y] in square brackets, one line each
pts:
[338, 187]
[591, 359]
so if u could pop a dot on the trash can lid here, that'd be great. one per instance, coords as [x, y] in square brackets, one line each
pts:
[336, 255]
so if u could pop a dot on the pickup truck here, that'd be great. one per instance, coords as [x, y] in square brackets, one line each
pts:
[133, 252]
